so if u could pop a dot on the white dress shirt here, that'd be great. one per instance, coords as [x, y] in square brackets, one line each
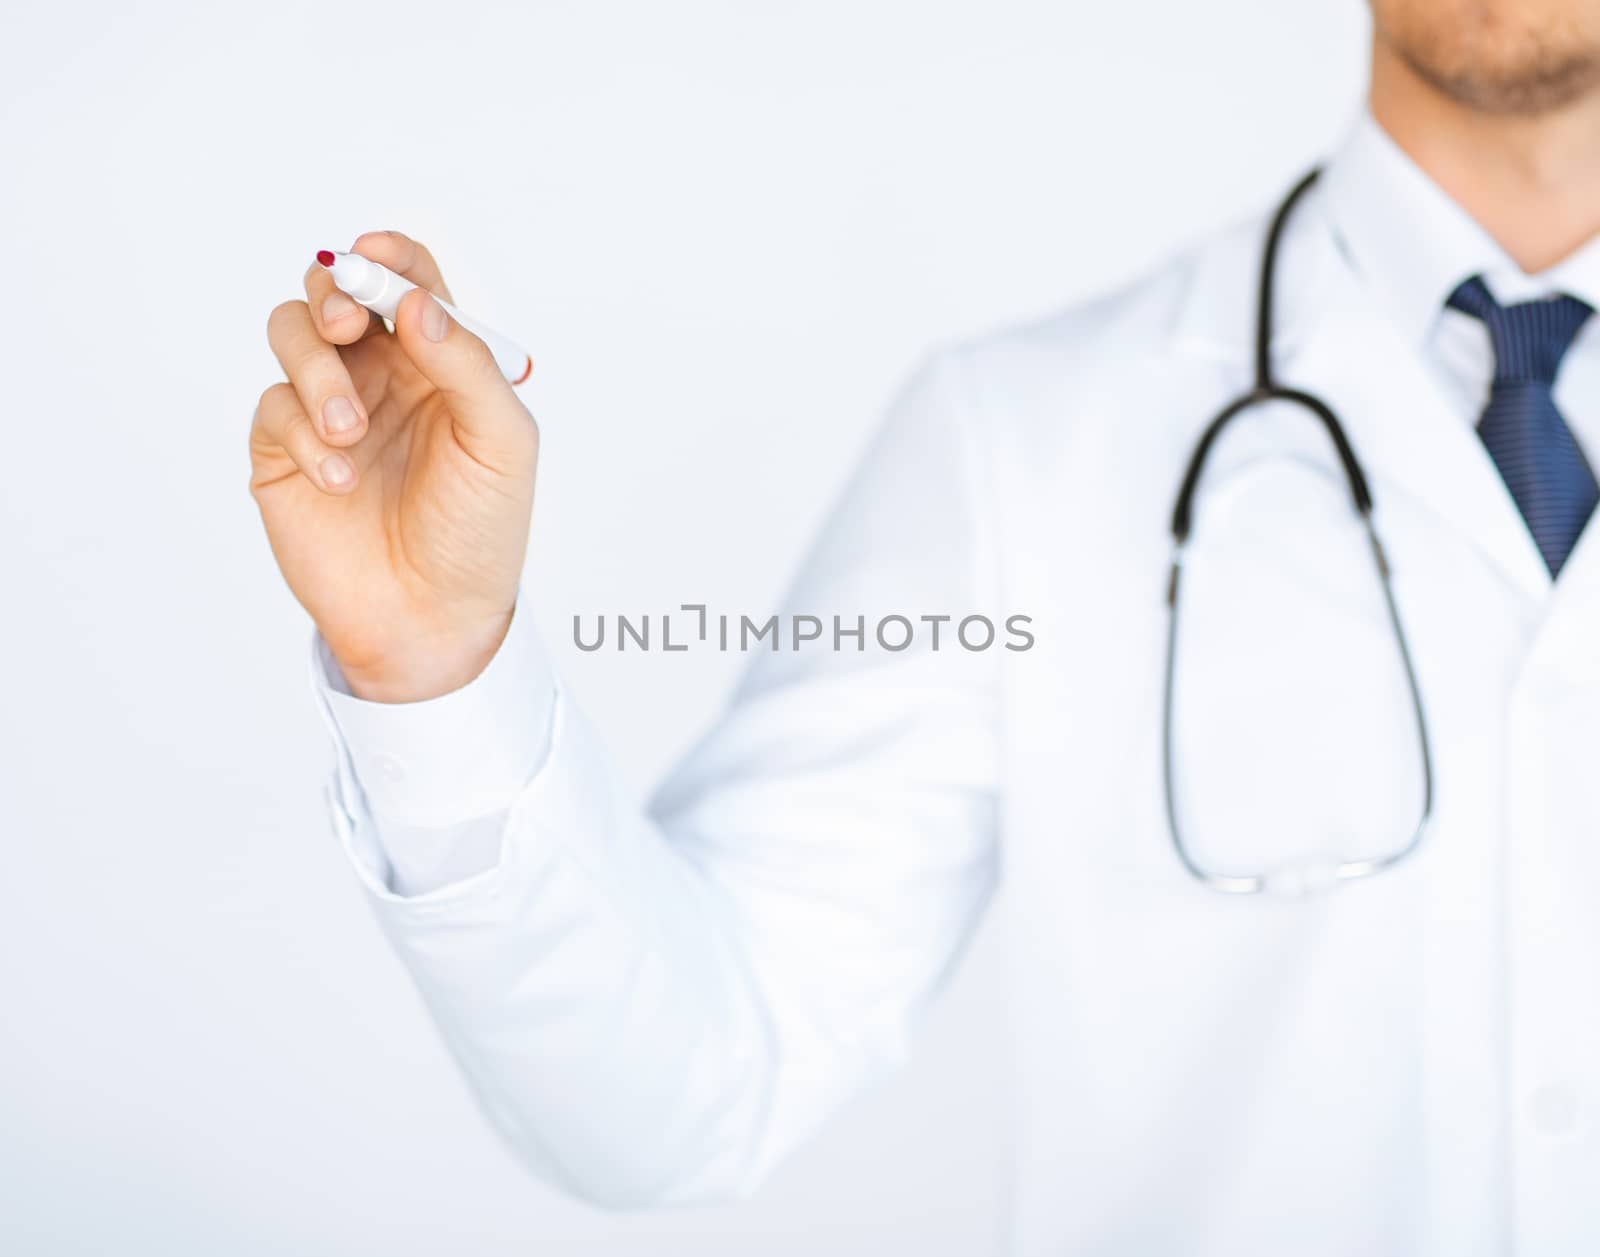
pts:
[655, 1008]
[1412, 245]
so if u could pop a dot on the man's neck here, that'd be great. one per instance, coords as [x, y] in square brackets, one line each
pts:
[1531, 182]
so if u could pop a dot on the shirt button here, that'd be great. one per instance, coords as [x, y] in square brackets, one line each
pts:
[1553, 1109]
[388, 769]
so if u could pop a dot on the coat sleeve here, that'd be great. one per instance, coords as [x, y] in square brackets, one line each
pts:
[654, 1008]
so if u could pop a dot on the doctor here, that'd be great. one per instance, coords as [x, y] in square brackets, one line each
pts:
[1300, 964]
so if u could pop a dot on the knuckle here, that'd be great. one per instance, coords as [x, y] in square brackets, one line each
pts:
[271, 400]
[284, 316]
[277, 414]
[411, 250]
[397, 250]
[476, 352]
[296, 429]
[479, 363]
[311, 358]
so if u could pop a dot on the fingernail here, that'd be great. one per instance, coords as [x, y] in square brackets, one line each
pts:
[435, 323]
[336, 306]
[339, 414]
[337, 471]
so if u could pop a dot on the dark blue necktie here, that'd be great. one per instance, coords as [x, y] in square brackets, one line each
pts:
[1544, 469]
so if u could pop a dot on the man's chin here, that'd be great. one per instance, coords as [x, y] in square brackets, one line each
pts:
[1515, 92]
[1493, 61]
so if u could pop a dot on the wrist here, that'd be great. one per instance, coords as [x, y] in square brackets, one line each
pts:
[425, 666]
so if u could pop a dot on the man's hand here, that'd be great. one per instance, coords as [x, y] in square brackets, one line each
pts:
[395, 476]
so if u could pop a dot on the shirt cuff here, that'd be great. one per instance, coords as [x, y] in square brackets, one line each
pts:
[449, 759]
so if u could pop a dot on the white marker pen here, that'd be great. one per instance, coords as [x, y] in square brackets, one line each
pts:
[380, 290]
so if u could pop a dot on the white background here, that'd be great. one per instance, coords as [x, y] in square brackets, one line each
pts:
[726, 230]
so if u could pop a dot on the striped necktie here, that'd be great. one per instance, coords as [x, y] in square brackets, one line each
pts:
[1540, 462]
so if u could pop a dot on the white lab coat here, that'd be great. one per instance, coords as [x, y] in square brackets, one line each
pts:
[657, 1009]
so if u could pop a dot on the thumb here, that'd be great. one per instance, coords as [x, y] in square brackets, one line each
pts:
[488, 414]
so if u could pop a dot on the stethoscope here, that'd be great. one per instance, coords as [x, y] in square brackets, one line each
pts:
[1304, 875]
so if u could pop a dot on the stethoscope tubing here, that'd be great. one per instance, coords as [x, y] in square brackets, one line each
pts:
[1263, 390]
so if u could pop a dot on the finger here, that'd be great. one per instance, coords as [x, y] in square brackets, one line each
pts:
[318, 374]
[338, 317]
[490, 419]
[281, 426]
[405, 256]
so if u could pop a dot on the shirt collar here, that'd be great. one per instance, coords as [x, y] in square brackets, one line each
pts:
[1412, 245]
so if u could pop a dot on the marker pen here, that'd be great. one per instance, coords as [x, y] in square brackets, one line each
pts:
[380, 290]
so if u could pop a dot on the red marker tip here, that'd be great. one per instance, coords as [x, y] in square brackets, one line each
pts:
[325, 256]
